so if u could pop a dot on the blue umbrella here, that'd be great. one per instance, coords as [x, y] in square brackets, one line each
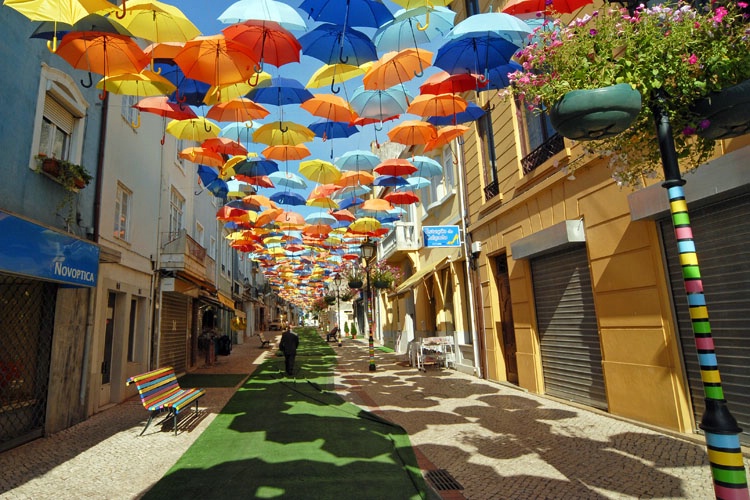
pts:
[190, 92]
[389, 180]
[263, 10]
[498, 77]
[405, 31]
[472, 113]
[279, 91]
[320, 218]
[332, 130]
[357, 190]
[350, 202]
[256, 167]
[379, 104]
[357, 160]
[240, 132]
[474, 54]
[207, 174]
[426, 166]
[219, 188]
[418, 183]
[332, 43]
[496, 24]
[287, 179]
[356, 13]
[288, 198]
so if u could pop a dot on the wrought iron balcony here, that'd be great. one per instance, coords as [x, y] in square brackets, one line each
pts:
[544, 152]
[491, 190]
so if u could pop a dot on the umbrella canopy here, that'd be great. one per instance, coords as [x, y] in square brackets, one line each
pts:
[331, 74]
[286, 153]
[162, 107]
[195, 129]
[379, 104]
[333, 130]
[557, 6]
[145, 83]
[496, 24]
[437, 105]
[365, 13]
[497, 78]
[323, 218]
[267, 41]
[93, 22]
[224, 146]
[263, 10]
[350, 202]
[157, 22]
[216, 60]
[283, 134]
[355, 178]
[332, 43]
[288, 198]
[390, 181]
[320, 171]
[410, 29]
[446, 135]
[357, 160]
[255, 167]
[470, 114]
[240, 109]
[102, 53]
[240, 132]
[288, 180]
[411, 132]
[203, 156]
[444, 83]
[279, 91]
[395, 166]
[474, 54]
[260, 180]
[330, 107]
[396, 68]
[207, 174]
[402, 197]
[418, 182]
[365, 224]
[426, 166]
[189, 91]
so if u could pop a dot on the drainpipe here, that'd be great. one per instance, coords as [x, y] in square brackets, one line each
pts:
[467, 259]
[156, 294]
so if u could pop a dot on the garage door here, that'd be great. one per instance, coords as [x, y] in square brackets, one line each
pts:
[569, 337]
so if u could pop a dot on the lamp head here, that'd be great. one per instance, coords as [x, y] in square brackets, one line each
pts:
[368, 249]
[337, 281]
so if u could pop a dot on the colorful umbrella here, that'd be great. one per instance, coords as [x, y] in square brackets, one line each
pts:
[157, 22]
[330, 74]
[405, 31]
[286, 153]
[240, 132]
[145, 83]
[426, 166]
[240, 109]
[189, 91]
[202, 156]
[319, 171]
[402, 197]
[366, 224]
[255, 167]
[492, 24]
[446, 135]
[474, 54]
[396, 68]
[288, 180]
[332, 43]
[411, 132]
[283, 134]
[444, 83]
[216, 60]
[162, 107]
[366, 13]
[437, 105]
[395, 166]
[352, 178]
[497, 78]
[103, 53]
[390, 181]
[547, 6]
[263, 10]
[280, 91]
[224, 146]
[195, 129]
[418, 182]
[288, 198]
[357, 160]
[379, 104]
[330, 107]
[267, 41]
[333, 130]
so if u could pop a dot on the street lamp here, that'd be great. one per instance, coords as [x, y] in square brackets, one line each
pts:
[368, 251]
[337, 280]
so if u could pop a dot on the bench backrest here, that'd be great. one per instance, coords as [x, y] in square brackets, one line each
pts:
[155, 386]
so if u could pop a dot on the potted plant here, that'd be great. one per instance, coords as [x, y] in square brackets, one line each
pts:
[347, 296]
[71, 175]
[354, 330]
[330, 299]
[677, 55]
[384, 275]
[346, 328]
[354, 275]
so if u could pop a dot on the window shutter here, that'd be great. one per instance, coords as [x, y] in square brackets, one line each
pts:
[58, 115]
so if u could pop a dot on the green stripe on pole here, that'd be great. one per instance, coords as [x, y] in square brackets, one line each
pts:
[714, 392]
[681, 219]
[729, 476]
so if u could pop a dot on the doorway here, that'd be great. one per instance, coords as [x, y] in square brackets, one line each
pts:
[507, 333]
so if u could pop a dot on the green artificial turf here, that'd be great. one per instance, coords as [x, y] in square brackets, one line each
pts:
[281, 438]
[204, 380]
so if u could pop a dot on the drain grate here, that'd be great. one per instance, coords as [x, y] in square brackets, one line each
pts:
[442, 480]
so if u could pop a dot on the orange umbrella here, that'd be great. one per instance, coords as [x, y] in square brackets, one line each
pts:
[240, 109]
[202, 156]
[317, 230]
[260, 200]
[445, 135]
[395, 166]
[164, 50]
[284, 153]
[355, 178]
[437, 105]
[396, 67]
[402, 197]
[268, 216]
[287, 217]
[343, 215]
[224, 145]
[323, 191]
[377, 205]
[216, 60]
[331, 107]
[413, 132]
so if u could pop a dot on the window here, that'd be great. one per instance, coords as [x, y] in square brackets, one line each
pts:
[176, 212]
[487, 139]
[60, 117]
[212, 248]
[448, 169]
[129, 113]
[199, 234]
[538, 128]
[540, 142]
[122, 213]
[132, 329]
[180, 162]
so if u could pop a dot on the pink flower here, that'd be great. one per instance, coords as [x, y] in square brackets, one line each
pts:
[720, 13]
[693, 59]
[688, 131]
[742, 5]
[704, 124]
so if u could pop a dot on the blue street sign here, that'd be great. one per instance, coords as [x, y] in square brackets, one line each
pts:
[441, 236]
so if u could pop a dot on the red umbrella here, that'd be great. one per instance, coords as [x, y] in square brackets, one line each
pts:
[547, 6]
[402, 197]
[261, 180]
[395, 166]
[344, 215]
[224, 145]
[267, 41]
[160, 105]
[363, 120]
[443, 82]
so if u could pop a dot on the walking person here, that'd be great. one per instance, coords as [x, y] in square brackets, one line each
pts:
[288, 345]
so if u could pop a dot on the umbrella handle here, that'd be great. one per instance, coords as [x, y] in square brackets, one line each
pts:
[103, 94]
[89, 84]
[206, 126]
[420, 27]
[420, 73]
[52, 45]
[337, 89]
[258, 70]
[163, 137]
[137, 123]
[341, 55]
[376, 127]
[257, 78]
[121, 15]
[283, 129]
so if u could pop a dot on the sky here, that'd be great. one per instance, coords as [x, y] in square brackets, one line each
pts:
[204, 14]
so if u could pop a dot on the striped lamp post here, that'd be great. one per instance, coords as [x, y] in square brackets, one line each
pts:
[720, 427]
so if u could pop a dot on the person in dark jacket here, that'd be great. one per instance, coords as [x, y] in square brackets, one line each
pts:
[332, 334]
[288, 345]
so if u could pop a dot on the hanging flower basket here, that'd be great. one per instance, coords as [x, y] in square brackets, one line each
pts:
[382, 284]
[726, 113]
[591, 114]
[355, 284]
[330, 300]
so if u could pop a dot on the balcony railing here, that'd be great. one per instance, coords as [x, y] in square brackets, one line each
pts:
[491, 190]
[180, 252]
[403, 238]
[544, 152]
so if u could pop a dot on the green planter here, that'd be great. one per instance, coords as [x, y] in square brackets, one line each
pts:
[587, 115]
[727, 111]
[355, 284]
[382, 284]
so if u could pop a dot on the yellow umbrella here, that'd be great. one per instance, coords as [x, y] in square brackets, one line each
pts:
[323, 202]
[331, 74]
[143, 84]
[157, 22]
[365, 225]
[63, 11]
[429, 4]
[320, 171]
[223, 93]
[283, 134]
[195, 129]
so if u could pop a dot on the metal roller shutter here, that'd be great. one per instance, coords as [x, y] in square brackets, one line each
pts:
[174, 331]
[722, 233]
[569, 337]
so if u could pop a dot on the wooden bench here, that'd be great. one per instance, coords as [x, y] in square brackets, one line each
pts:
[264, 342]
[160, 391]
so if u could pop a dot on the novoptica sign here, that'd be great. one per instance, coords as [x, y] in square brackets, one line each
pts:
[441, 236]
